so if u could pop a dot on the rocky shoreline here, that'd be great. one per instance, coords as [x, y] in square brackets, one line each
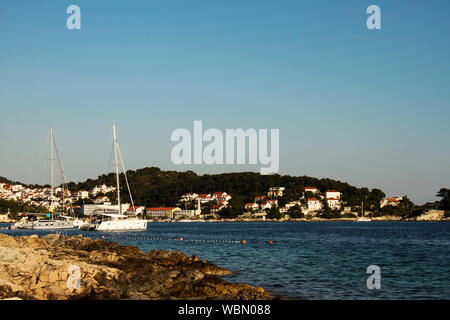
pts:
[43, 269]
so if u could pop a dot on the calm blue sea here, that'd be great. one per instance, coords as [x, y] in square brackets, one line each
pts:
[312, 260]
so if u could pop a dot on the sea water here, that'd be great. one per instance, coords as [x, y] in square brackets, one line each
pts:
[310, 260]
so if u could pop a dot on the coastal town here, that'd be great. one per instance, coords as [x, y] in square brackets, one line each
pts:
[190, 206]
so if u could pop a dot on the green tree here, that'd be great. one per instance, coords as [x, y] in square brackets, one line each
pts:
[407, 206]
[229, 212]
[444, 193]
[274, 213]
[296, 212]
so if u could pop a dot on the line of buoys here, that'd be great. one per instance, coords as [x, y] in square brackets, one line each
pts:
[111, 237]
[175, 239]
[167, 239]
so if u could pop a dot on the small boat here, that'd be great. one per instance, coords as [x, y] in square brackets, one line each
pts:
[49, 224]
[363, 219]
[120, 222]
[44, 224]
[116, 220]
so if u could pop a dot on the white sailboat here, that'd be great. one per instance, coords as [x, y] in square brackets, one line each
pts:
[363, 219]
[52, 223]
[117, 221]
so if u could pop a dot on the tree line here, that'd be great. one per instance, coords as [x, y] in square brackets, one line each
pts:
[153, 187]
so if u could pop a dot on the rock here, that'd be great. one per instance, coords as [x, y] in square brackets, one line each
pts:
[61, 268]
[173, 274]
[432, 215]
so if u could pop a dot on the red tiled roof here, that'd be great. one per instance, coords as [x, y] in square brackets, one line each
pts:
[161, 208]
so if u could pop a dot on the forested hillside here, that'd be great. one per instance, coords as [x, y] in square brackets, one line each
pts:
[153, 187]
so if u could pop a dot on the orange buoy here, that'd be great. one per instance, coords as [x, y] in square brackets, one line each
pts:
[103, 237]
[181, 239]
[244, 242]
[270, 242]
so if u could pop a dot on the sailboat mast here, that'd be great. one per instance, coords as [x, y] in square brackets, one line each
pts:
[362, 209]
[117, 167]
[51, 169]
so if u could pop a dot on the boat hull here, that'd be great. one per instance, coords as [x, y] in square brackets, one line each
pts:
[46, 225]
[122, 225]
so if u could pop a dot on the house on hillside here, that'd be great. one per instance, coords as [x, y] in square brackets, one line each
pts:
[314, 204]
[162, 212]
[276, 191]
[333, 203]
[188, 197]
[251, 206]
[260, 198]
[394, 201]
[216, 208]
[273, 202]
[136, 210]
[332, 194]
[311, 189]
[266, 206]
[101, 200]
[205, 197]
[284, 210]
[221, 196]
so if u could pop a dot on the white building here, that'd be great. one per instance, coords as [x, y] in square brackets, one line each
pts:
[292, 204]
[332, 194]
[221, 196]
[188, 213]
[276, 191]
[136, 210]
[260, 198]
[82, 194]
[333, 203]
[311, 189]
[102, 199]
[266, 205]
[394, 201]
[16, 188]
[284, 210]
[314, 204]
[273, 202]
[188, 197]
[205, 197]
[105, 189]
[251, 206]
[95, 191]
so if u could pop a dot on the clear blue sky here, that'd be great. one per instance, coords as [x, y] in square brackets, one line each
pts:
[368, 107]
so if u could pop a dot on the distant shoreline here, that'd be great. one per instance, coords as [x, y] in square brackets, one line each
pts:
[432, 215]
